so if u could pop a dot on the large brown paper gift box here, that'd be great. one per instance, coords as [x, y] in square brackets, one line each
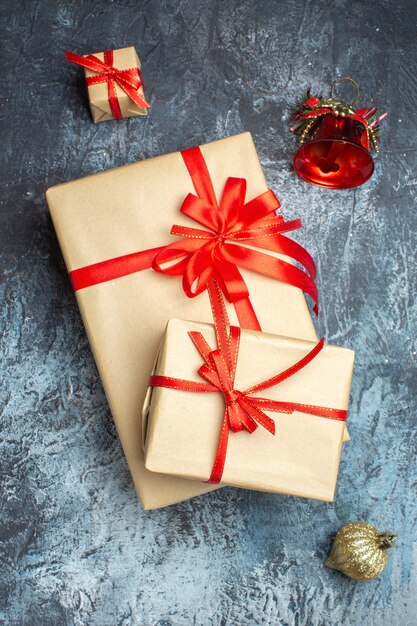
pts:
[98, 95]
[301, 459]
[129, 209]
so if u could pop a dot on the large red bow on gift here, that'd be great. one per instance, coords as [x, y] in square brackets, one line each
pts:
[129, 80]
[243, 411]
[233, 225]
[217, 252]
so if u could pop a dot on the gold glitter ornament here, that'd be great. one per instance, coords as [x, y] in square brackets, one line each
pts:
[360, 551]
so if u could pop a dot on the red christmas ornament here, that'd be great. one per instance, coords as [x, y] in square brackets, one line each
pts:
[336, 140]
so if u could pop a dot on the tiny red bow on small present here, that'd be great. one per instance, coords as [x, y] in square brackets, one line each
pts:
[129, 80]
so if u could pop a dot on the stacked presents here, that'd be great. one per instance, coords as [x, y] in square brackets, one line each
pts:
[162, 254]
[192, 295]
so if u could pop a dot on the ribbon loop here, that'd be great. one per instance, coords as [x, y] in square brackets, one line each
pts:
[232, 201]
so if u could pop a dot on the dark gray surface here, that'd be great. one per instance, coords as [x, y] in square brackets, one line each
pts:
[76, 547]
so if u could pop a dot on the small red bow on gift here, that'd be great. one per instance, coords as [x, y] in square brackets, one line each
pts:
[129, 80]
[243, 411]
[217, 252]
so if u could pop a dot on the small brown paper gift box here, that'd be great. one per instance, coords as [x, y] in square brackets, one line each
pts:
[133, 208]
[301, 459]
[98, 94]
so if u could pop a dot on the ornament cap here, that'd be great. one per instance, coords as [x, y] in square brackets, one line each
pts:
[387, 539]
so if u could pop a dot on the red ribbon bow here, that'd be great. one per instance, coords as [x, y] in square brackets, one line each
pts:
[243, 411]
[129, 80]
[202, 254]
[218, 252]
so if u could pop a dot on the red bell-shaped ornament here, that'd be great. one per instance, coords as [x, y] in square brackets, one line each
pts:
[336, 140]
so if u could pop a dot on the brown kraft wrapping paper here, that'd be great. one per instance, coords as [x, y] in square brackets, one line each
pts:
[132, 208]
[301, 459]
[98, 95]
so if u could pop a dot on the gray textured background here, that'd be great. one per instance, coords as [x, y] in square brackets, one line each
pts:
[76, 547]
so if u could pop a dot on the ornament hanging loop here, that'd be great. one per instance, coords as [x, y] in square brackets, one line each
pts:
[340, 80]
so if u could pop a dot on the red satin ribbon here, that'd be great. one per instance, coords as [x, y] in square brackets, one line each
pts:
[129, 80]
[243, 411]
[217, 252]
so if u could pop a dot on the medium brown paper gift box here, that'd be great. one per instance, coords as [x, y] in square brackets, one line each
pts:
[133, 208]
[301, 459]
[98, 95]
